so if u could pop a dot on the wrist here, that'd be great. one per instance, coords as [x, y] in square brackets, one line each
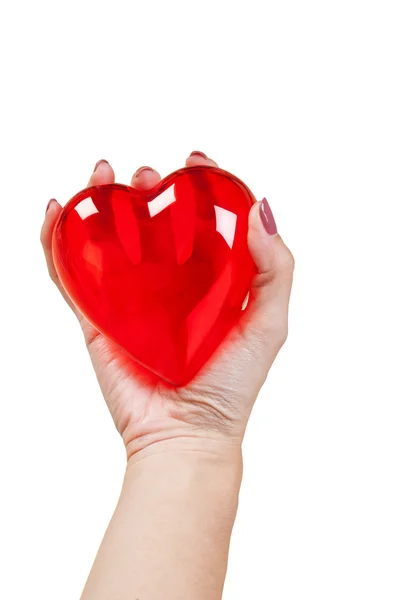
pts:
[187, 441]
[187, 466]
[222, 453]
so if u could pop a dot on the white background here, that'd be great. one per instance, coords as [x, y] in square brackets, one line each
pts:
[302, 101]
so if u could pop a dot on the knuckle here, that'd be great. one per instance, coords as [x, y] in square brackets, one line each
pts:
[287, 262]
[53, 274]
[53, 277]
[278, 332]
[283, 334]
[43, 238]
[274, 330]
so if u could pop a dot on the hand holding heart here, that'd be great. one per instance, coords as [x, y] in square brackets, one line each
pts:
[213, 408]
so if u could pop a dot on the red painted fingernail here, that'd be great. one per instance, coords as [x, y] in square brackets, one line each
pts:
[98, 162]
[141, 169]
[48, 205]
[198, 153]
[267, 218]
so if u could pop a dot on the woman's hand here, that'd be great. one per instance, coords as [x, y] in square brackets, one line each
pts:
[212, 411]
[169, 535]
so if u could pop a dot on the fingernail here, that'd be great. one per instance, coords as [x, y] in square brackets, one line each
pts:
[141, 169]
[48, 205]
[98, 162]
[267, 218]
[198, 153]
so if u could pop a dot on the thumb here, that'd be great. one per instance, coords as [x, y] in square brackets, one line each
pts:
[268, 312]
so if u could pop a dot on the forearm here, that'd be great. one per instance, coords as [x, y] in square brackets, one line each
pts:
[169, 536]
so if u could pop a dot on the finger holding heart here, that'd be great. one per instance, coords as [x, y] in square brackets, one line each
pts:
[144, 178]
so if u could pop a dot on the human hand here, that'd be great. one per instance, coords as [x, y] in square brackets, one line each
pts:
[212, 410]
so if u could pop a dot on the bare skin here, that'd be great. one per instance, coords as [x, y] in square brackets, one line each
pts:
[195, 429]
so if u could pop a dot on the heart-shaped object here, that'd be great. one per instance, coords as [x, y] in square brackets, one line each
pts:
[163, 273]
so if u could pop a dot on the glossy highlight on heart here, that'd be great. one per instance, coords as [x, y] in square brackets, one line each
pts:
[164, 272]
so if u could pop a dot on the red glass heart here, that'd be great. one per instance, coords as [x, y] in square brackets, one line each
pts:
[163, 273]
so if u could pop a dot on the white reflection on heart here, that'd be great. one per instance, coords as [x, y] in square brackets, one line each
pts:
[86, 208]
[226, 224]
[166, 198]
